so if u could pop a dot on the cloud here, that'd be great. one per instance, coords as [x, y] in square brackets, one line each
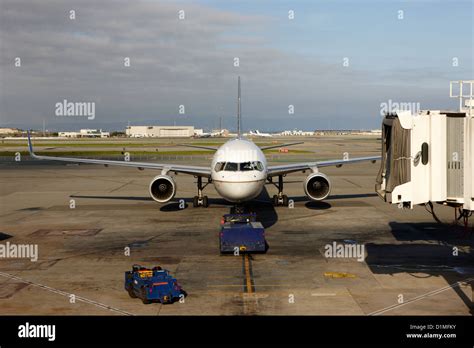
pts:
[173, 62]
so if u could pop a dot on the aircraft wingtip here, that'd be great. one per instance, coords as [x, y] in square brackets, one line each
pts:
[30, 145]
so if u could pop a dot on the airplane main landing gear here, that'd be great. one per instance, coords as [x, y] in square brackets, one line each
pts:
[200, 200]
[280, 198]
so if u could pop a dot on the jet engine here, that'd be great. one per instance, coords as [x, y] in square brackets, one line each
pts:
[317, 186]
[162, 188]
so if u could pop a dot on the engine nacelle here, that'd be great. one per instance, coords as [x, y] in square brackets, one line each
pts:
[317, 186]
[162, 188]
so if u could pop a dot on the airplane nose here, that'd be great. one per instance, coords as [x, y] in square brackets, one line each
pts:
[238, 192]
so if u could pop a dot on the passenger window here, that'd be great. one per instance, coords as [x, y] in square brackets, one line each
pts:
[219, 166]
[231, 167]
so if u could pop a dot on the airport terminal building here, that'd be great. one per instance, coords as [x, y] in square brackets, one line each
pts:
[159, 131]
[85, 133]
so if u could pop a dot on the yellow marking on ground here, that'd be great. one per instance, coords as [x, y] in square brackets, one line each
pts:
[247, 273]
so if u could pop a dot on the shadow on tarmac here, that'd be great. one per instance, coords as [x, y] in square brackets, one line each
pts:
[436, 250]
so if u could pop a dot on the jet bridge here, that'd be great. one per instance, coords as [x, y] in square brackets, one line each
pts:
[428, 157]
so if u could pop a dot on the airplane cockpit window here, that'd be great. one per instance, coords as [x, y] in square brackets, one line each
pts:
[219, 166]
[231, 167]
[234, 167]
[255, 165]
[246, 166]
[258, 166]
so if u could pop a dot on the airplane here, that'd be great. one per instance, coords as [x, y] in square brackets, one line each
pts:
[292, 132]
[258, 134]
[238, 171]
[210, 135]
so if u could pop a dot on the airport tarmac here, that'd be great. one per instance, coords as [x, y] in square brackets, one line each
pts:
[409, 266]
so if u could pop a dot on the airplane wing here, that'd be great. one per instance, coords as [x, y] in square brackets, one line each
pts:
[192, 170]
[280, 145]
[210, 148]
[299, 167]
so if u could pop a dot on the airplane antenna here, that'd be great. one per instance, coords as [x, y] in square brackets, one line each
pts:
[239, 111]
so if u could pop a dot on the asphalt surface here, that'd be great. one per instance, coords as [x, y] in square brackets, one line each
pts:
[82, 218]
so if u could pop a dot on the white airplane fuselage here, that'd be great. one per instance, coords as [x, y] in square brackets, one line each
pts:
[265, 135]
[239, 170]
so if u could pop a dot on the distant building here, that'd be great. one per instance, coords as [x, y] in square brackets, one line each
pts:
[68, 134]
[85, 133]
[368, 132]
[160, 131]
[9, 131]
[307, 134]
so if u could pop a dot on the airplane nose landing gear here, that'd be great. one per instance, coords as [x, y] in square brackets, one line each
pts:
[280, 198]
[238, 209]
[200, 200]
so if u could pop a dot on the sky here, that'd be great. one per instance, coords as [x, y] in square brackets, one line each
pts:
[335, 62]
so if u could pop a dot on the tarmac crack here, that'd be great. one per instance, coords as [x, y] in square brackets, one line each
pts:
[353, 183]
[121, 186]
